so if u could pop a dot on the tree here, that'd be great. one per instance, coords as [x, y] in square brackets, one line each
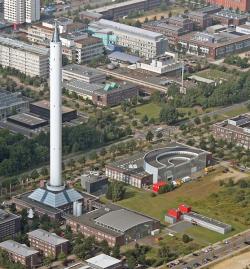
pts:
[149, 136]
[186, 238]
[115, 191]
[159, 135]
[197, 121]
[62, 257]
[105, 247]
[34, 174]
[131, 261]
[44, 171]
[116, 251]
[169, 114]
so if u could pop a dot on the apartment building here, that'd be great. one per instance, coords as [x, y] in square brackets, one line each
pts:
[17, 252]
[28, 59]
[9, 224]
[21, 11]
[14, 11]
[120, 10]
[88, 49]
[49, 244]
[139, 41]
[181, 21]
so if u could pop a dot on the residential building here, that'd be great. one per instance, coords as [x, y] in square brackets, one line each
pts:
[28, 59]
[84, 73]
[28, 257]
[32, 11]
[167, 63]
[139, 41]
[229, 18]
[88, 49]
[123, 9]
[39, 34]
[103, 261]
[214, 46]
[235, 130]
[1, 6]
[113, 223]
[14, 11]
[9, 224]
[11, 103]
[49, 244]
[21, 11]
[242, 5]
[201, 20]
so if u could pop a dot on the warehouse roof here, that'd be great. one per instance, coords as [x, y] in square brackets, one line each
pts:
[121, 56]
[121, 220]
[48, 237]
[82, 87]
[82, 70]
[28, 119]
[46, 104]
[103, 261]
[15, 247]
[126, 28]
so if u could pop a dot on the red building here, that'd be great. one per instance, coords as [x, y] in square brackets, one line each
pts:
[184, 208]
[158, 185]
[242, 5]
[174, 213]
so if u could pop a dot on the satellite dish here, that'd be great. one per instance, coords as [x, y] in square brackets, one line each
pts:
[30, 213]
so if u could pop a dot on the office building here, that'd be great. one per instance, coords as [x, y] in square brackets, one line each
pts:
[243, 29]
[84, 73]
[214, 46]
[201, 20]
[235, 130]
[88, 49]
[12, 103]
[49, 244]
[155, 166]
[228, 17]
[140, 41]
[9, 224]
[28, 59]
[113, 223]
[94, 183]
[123, 9]
[21, 11]
[42, 109]
[17, 252]
[242, 5]
[103, 261]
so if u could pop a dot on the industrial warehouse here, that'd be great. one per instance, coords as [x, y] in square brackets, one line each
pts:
[113, 223]
[163, 164]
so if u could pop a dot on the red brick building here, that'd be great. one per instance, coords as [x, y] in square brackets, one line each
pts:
[242, 5]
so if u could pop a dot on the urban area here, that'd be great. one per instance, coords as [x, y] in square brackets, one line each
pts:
[124, 134]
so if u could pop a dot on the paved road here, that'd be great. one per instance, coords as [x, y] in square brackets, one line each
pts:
[212, 253]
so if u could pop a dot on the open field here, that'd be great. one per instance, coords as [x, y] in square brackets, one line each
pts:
[237, 262]
[151, 110]
[205, 195]
[215, 74]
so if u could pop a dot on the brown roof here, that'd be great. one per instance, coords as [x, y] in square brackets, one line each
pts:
[89, 41]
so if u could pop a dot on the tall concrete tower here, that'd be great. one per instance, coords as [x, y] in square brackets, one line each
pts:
[56, 194]
[56, 183]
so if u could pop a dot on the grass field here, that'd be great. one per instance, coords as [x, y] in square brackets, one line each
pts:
[151, 110]
[215, 74]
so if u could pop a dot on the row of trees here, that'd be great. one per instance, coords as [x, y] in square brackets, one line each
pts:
[237, 60]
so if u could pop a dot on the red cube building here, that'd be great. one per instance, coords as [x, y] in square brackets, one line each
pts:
[242, 5]
[184, 208]
[158, 185]
[175, 213]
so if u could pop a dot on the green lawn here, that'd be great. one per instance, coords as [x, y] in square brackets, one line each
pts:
[151, 110]
[236, 111]
[215, 74]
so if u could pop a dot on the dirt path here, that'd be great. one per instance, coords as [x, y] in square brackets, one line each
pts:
[234, 174]
[237, 262]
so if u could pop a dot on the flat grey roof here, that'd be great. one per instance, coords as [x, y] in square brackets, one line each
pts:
[46, 104]
[201, 79]
[6, 216]
[48, 237]
[10, 99]
[103, 261]
[83, 70]
[126, 28]
[20, 249]
[117, 55]
[16, 44]
[27, 118]
[121, 220]
[117, 5]
[82, 87]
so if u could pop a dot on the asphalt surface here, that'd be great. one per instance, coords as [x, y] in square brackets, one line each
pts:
[205, 256]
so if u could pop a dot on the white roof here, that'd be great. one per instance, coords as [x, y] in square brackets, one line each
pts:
[103, 261]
